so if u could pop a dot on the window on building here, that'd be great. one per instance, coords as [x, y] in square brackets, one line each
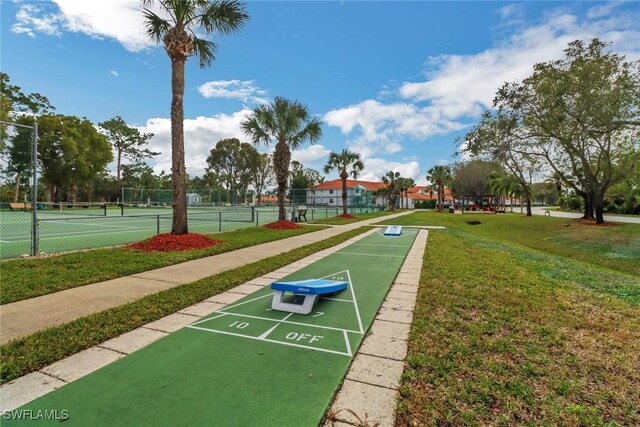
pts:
[330, 191]
[331, 200]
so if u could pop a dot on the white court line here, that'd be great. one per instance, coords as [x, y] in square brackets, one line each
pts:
[272, 341]
[219, 314]
[331, 328]
[90, 224]
[347, 343]
[382, 246]
[266, 334]
[248, 301]
[355, 303]
[378, 255]
[337, 299]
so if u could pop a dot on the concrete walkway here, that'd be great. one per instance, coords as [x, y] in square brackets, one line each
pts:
[23, 318]
[537, 210]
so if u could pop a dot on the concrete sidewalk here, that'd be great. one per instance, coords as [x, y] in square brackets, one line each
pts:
[29, 316]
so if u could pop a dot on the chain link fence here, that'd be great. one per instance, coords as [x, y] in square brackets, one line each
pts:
[62, 229]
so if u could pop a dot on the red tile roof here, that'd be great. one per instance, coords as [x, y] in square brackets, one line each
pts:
[336, 184]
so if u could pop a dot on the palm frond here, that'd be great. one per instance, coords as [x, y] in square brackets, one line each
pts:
[224, 17]
[205, 50]
[157, 27]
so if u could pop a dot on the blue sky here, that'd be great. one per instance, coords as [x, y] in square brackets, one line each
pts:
[395, 81]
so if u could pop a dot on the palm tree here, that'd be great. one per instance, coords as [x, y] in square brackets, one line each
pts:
[186, 19]
[505, 186]
[441, 176]
[404, 185]
[390, 179]
[289, 124]
[342, 162]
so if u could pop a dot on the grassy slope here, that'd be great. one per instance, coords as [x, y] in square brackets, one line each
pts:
[27, 354]
[503, 336]
[22, 279]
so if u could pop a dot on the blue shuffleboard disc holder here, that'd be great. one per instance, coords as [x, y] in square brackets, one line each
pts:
[308, 289]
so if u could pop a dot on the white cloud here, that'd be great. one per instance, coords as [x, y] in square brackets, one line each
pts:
[310, 154]
[375, 168]
[382, 126]
[510, 11]
[32, 18]
[200, 136]
[602, 10]
[120, 20]
[463, 85]
[245, 91]
[114, 73]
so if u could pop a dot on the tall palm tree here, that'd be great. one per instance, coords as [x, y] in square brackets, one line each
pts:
[390, 179]
[342, 162]
[289, 124]
[185, 21]
[441, 176]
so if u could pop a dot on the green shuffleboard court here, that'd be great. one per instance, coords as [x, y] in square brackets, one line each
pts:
[246, 364]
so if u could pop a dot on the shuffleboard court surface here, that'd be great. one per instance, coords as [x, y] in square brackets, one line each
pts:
[245, 364]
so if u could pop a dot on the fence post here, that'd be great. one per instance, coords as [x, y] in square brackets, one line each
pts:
[257, 220]
[220, 221]
[34, 190]
[158, 224]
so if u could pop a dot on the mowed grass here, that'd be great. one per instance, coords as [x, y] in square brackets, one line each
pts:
[615, 246]
[33, 352]
[507, 335]
[28, 278]
[358, 217]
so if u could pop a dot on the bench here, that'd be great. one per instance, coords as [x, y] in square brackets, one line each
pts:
[305, 291]
[22, 206]
[298, 214]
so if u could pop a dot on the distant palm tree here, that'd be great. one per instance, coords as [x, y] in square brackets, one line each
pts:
[404, 185]
[289, 124]
[390, 179]
[556, 181]
[505, 186]
[342, 162]
[186, 19]
[441, 176]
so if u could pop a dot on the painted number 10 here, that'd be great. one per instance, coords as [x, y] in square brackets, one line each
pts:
[239, 325]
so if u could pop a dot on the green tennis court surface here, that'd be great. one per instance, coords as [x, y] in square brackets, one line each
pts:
[245, 365]
[83, 228]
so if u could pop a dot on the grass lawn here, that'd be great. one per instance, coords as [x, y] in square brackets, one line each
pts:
[358, 217]
[614, 246]
[28, 278]
[27, 354]
[509, 330]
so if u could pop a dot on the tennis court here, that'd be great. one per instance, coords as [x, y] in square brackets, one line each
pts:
[61, 230]
[245, 364]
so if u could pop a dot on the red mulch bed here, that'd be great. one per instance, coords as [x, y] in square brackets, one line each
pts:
[346, 216]
[282, 225]
[173, 242]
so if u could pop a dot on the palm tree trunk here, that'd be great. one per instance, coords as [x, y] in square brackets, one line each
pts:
[178, 176]
[281, 160]
[344, 192]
